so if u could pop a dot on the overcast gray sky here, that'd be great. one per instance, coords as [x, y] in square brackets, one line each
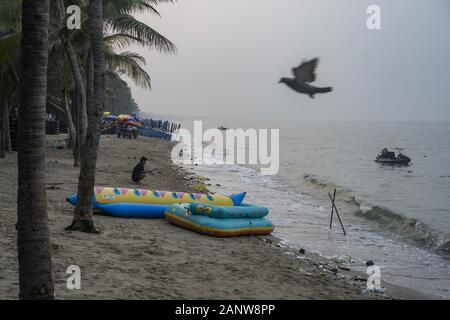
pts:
[233, 52]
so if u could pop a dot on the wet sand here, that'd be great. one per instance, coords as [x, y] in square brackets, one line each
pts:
[151, 259]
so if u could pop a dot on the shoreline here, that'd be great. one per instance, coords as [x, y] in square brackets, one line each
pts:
[151, 259]
[353, 277]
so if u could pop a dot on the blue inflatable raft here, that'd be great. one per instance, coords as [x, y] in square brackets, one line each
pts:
[134, 210]
[220, 221]
[245, 210]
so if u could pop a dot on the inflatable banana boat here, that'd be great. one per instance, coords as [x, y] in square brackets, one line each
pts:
[220, 221]
[140, 203]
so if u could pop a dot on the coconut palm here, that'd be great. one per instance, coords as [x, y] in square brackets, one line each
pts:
[123, 30]
[119, 30]
[95, 82]
[71, 48]
[33, 239]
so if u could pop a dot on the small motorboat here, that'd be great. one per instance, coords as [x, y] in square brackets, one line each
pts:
[389, 157]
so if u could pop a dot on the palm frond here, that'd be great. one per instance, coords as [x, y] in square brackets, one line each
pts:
[111, 74]
[131, 64]
[126, 24]
[121, 7]
[121, 40]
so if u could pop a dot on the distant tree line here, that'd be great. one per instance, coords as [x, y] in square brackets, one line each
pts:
[119, 99]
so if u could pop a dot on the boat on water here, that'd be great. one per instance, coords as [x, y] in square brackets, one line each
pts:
[222, 128]
[389, 157]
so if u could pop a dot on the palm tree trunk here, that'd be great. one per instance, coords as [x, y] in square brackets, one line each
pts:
[90, 79]
[3, 133]
[8, 132]
[79, 91]
[33, 237]
[76, 149]
[70, 125]
[82, 220]
[79, 94]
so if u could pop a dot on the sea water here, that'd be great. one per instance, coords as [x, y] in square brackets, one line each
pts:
[398, 217]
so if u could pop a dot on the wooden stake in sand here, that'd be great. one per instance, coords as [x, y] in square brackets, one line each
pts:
[333, 208]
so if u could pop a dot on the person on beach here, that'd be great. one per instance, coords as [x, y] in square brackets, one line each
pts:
[139, 171]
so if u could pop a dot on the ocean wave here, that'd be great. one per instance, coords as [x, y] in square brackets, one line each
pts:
[315, 183]
[408, 228]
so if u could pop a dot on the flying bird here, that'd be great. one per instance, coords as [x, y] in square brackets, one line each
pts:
[305, 74]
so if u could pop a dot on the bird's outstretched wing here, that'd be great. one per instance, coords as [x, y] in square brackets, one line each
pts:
[305, 72]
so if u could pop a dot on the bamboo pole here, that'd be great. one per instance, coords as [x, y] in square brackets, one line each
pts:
[332, 207]
[337, 213]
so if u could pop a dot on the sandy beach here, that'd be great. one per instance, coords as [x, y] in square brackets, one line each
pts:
[151, 259]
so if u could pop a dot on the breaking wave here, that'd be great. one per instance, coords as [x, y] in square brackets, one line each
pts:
[408, 228]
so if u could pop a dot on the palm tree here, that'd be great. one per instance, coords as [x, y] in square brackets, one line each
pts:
[95, 83]
[72, 48]
[33, 238]
[127, 30]
[121, 31]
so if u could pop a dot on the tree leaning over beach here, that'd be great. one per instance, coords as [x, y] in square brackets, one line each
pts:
[33, 237]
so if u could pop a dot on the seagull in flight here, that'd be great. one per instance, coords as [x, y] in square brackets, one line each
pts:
[304, 75]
